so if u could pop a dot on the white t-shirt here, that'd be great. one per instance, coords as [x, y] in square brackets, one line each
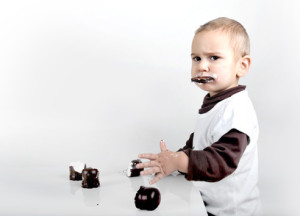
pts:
[236, 194]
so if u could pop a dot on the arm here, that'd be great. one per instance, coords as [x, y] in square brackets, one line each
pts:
[188, 144]
[210, 164]
[218, 160]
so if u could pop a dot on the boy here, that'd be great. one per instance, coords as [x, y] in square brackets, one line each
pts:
[220, 157]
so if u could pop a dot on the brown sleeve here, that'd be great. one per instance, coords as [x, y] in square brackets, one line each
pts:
[218, 160]
[188, 144]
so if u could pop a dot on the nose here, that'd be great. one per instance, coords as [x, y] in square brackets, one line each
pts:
[203, 66]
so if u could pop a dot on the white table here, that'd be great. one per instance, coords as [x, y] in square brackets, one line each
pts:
[47, 190]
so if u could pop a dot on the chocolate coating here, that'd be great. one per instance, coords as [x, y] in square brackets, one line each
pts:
[90, 178]
[74, 176]
[134, 171]
[135, 162]
[202, 80]
[147, 198]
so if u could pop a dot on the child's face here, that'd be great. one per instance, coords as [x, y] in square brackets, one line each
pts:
[213, 54]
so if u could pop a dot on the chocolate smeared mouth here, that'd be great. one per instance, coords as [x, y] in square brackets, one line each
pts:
[203, 79]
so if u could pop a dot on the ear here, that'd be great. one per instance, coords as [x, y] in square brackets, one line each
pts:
[244, 66]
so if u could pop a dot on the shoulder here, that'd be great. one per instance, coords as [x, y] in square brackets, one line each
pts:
[236, 112]
[239, 104]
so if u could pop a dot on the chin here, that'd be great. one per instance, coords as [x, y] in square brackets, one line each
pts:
[206, 87]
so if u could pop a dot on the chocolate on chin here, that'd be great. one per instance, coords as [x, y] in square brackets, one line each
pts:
[147, 198]
[90, 178]
[76, 170]
[132, 171]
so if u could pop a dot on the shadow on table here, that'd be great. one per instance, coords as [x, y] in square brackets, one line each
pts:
[167, 185]
[91, 196]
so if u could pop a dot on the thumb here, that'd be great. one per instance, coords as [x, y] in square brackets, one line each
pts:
[163, 146]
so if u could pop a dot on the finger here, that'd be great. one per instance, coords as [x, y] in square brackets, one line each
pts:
[150, 171]
[149, 156]
[148, 164]
[156, 178]
[163, 146]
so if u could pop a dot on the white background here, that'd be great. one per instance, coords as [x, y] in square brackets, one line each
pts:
[101, 81]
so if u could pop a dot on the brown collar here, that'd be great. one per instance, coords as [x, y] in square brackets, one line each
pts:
[210, 102]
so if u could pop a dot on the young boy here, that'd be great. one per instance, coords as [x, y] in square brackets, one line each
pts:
[220, 157]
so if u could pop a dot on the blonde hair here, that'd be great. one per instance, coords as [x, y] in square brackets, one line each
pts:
[237, 33]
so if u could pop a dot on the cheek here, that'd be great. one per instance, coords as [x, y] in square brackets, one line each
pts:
[194, 70]
[193, 73]
[223, 71]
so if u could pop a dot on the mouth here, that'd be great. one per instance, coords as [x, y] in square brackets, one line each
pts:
[203, 79]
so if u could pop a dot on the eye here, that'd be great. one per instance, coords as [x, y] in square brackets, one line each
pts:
[214, 58]
[196, 58]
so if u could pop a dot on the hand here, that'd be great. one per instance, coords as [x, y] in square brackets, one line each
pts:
[161, 164]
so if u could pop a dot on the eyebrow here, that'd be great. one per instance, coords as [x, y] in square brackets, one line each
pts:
[208, 53]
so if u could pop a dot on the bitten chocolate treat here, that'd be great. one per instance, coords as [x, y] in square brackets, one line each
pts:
[75, 170]
[147, 198]
[132, 170]
[203, 79]
[90, 178]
